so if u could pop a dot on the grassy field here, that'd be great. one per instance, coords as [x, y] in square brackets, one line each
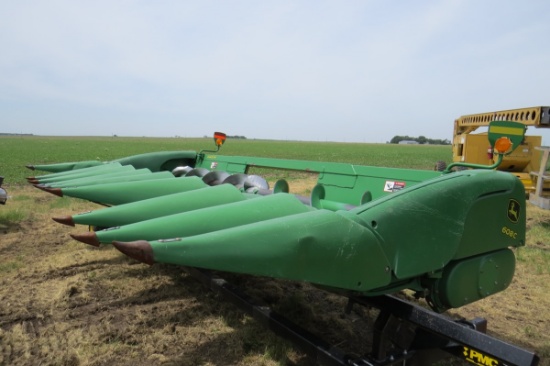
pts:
[19, 151]
[65, 303]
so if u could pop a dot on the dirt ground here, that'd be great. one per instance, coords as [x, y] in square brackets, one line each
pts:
[65, 303]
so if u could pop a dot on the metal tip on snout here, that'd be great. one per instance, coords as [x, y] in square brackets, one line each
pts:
[65, 220]
[55, 191]
[139, 250]
[87, 238]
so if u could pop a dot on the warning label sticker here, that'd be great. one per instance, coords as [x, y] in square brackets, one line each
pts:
[392, 186]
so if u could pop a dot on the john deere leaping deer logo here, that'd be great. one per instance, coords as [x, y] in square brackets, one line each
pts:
[513, 211]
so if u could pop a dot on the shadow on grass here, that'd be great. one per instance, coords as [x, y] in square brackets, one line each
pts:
[11, 221]
[246, 342]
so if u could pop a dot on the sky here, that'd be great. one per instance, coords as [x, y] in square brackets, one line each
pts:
[347, 71]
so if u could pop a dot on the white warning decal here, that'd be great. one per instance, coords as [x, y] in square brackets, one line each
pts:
[392, 186]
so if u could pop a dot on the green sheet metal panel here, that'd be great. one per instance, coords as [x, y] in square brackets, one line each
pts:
[307, 247]
[344, 183]
[423, 226]
[207, 219]
[161, 160]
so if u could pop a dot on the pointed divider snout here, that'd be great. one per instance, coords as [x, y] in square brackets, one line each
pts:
[55, 191]
[139, 250]
[65, 220]
[87, 238]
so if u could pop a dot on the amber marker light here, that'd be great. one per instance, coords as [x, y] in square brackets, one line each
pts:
[219, 138]
[503, 144]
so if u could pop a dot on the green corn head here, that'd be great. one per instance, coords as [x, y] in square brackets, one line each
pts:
[364, 230]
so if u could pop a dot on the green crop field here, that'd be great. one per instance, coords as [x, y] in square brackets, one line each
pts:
[18, 151]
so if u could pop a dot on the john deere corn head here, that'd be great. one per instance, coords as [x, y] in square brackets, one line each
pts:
[365, 233]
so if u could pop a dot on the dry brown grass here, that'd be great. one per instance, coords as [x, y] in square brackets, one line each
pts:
[64, 303]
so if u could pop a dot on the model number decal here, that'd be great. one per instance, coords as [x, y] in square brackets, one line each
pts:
[509, 232]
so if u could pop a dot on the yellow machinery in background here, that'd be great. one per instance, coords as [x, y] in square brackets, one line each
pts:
[524, 162]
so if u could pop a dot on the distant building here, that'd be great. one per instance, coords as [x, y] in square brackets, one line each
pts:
[408, 142]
